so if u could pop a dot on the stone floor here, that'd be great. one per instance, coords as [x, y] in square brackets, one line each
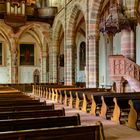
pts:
[112, 130]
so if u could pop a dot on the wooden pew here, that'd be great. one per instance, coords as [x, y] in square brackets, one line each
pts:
[27, 107]
[96, 105]
[121, 109]
[86, 106]
[107, 106]
[36, 123]
[63, 95]
[84, 101]
[50, 88]
[72, 99]
[134, 114]
[79, 101]
[32, 114]
[19, 102]
[91, 132]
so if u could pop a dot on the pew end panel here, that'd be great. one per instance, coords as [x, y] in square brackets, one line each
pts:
[72, 100]
[103, 108]
[79, 102]
[93, 106]
[116, 111]
[134, 114]
[86, 106]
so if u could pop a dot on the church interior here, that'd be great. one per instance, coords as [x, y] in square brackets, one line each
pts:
[69, 69]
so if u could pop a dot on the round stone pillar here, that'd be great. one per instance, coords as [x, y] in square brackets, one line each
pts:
[128, 47]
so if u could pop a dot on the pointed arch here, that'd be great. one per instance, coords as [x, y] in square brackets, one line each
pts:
[72, 22]
[57, 37]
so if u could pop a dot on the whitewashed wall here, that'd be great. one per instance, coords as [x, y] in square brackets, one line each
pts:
[4, 75]
[26, 72]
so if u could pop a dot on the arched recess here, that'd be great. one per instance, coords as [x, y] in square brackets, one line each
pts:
[33, 34]
[36, 76]
[5, 67]
[58, 56]
[80, 59]
[75, 35]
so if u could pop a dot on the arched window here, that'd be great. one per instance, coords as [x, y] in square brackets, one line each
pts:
[82, 56]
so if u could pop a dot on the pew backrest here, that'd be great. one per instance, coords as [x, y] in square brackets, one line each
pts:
[27, 107]
[32, 114]
[41, 122]
[91, 132]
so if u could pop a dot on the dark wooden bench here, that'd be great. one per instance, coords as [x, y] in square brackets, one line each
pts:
[106, 107]
[84, 99]
[36, 123]
[63, 95]
[122, 108]
[19, 102]
[27, 107]
[32, 114]
[91, 132]
[51, 90]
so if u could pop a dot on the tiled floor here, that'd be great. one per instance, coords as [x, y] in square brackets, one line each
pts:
[112, 130]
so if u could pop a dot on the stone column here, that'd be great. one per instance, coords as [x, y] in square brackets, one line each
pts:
[51, 55]
[68, 65]
[128, 47]
[54, 67]
[92, 62]
[44, 70]
[14, 55]
[109, 51]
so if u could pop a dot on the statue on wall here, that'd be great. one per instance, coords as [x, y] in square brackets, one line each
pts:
[36, 76]
[62, 60]
[82, 56]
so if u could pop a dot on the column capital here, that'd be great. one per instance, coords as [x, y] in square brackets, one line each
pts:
[94, 36]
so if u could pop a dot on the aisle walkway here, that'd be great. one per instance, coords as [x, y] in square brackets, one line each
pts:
[112, 130]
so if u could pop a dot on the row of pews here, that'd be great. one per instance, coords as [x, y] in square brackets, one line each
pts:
[123, 108]
[23, 117]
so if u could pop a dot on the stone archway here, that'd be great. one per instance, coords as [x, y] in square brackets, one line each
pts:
[76, 18]
[57, 52]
